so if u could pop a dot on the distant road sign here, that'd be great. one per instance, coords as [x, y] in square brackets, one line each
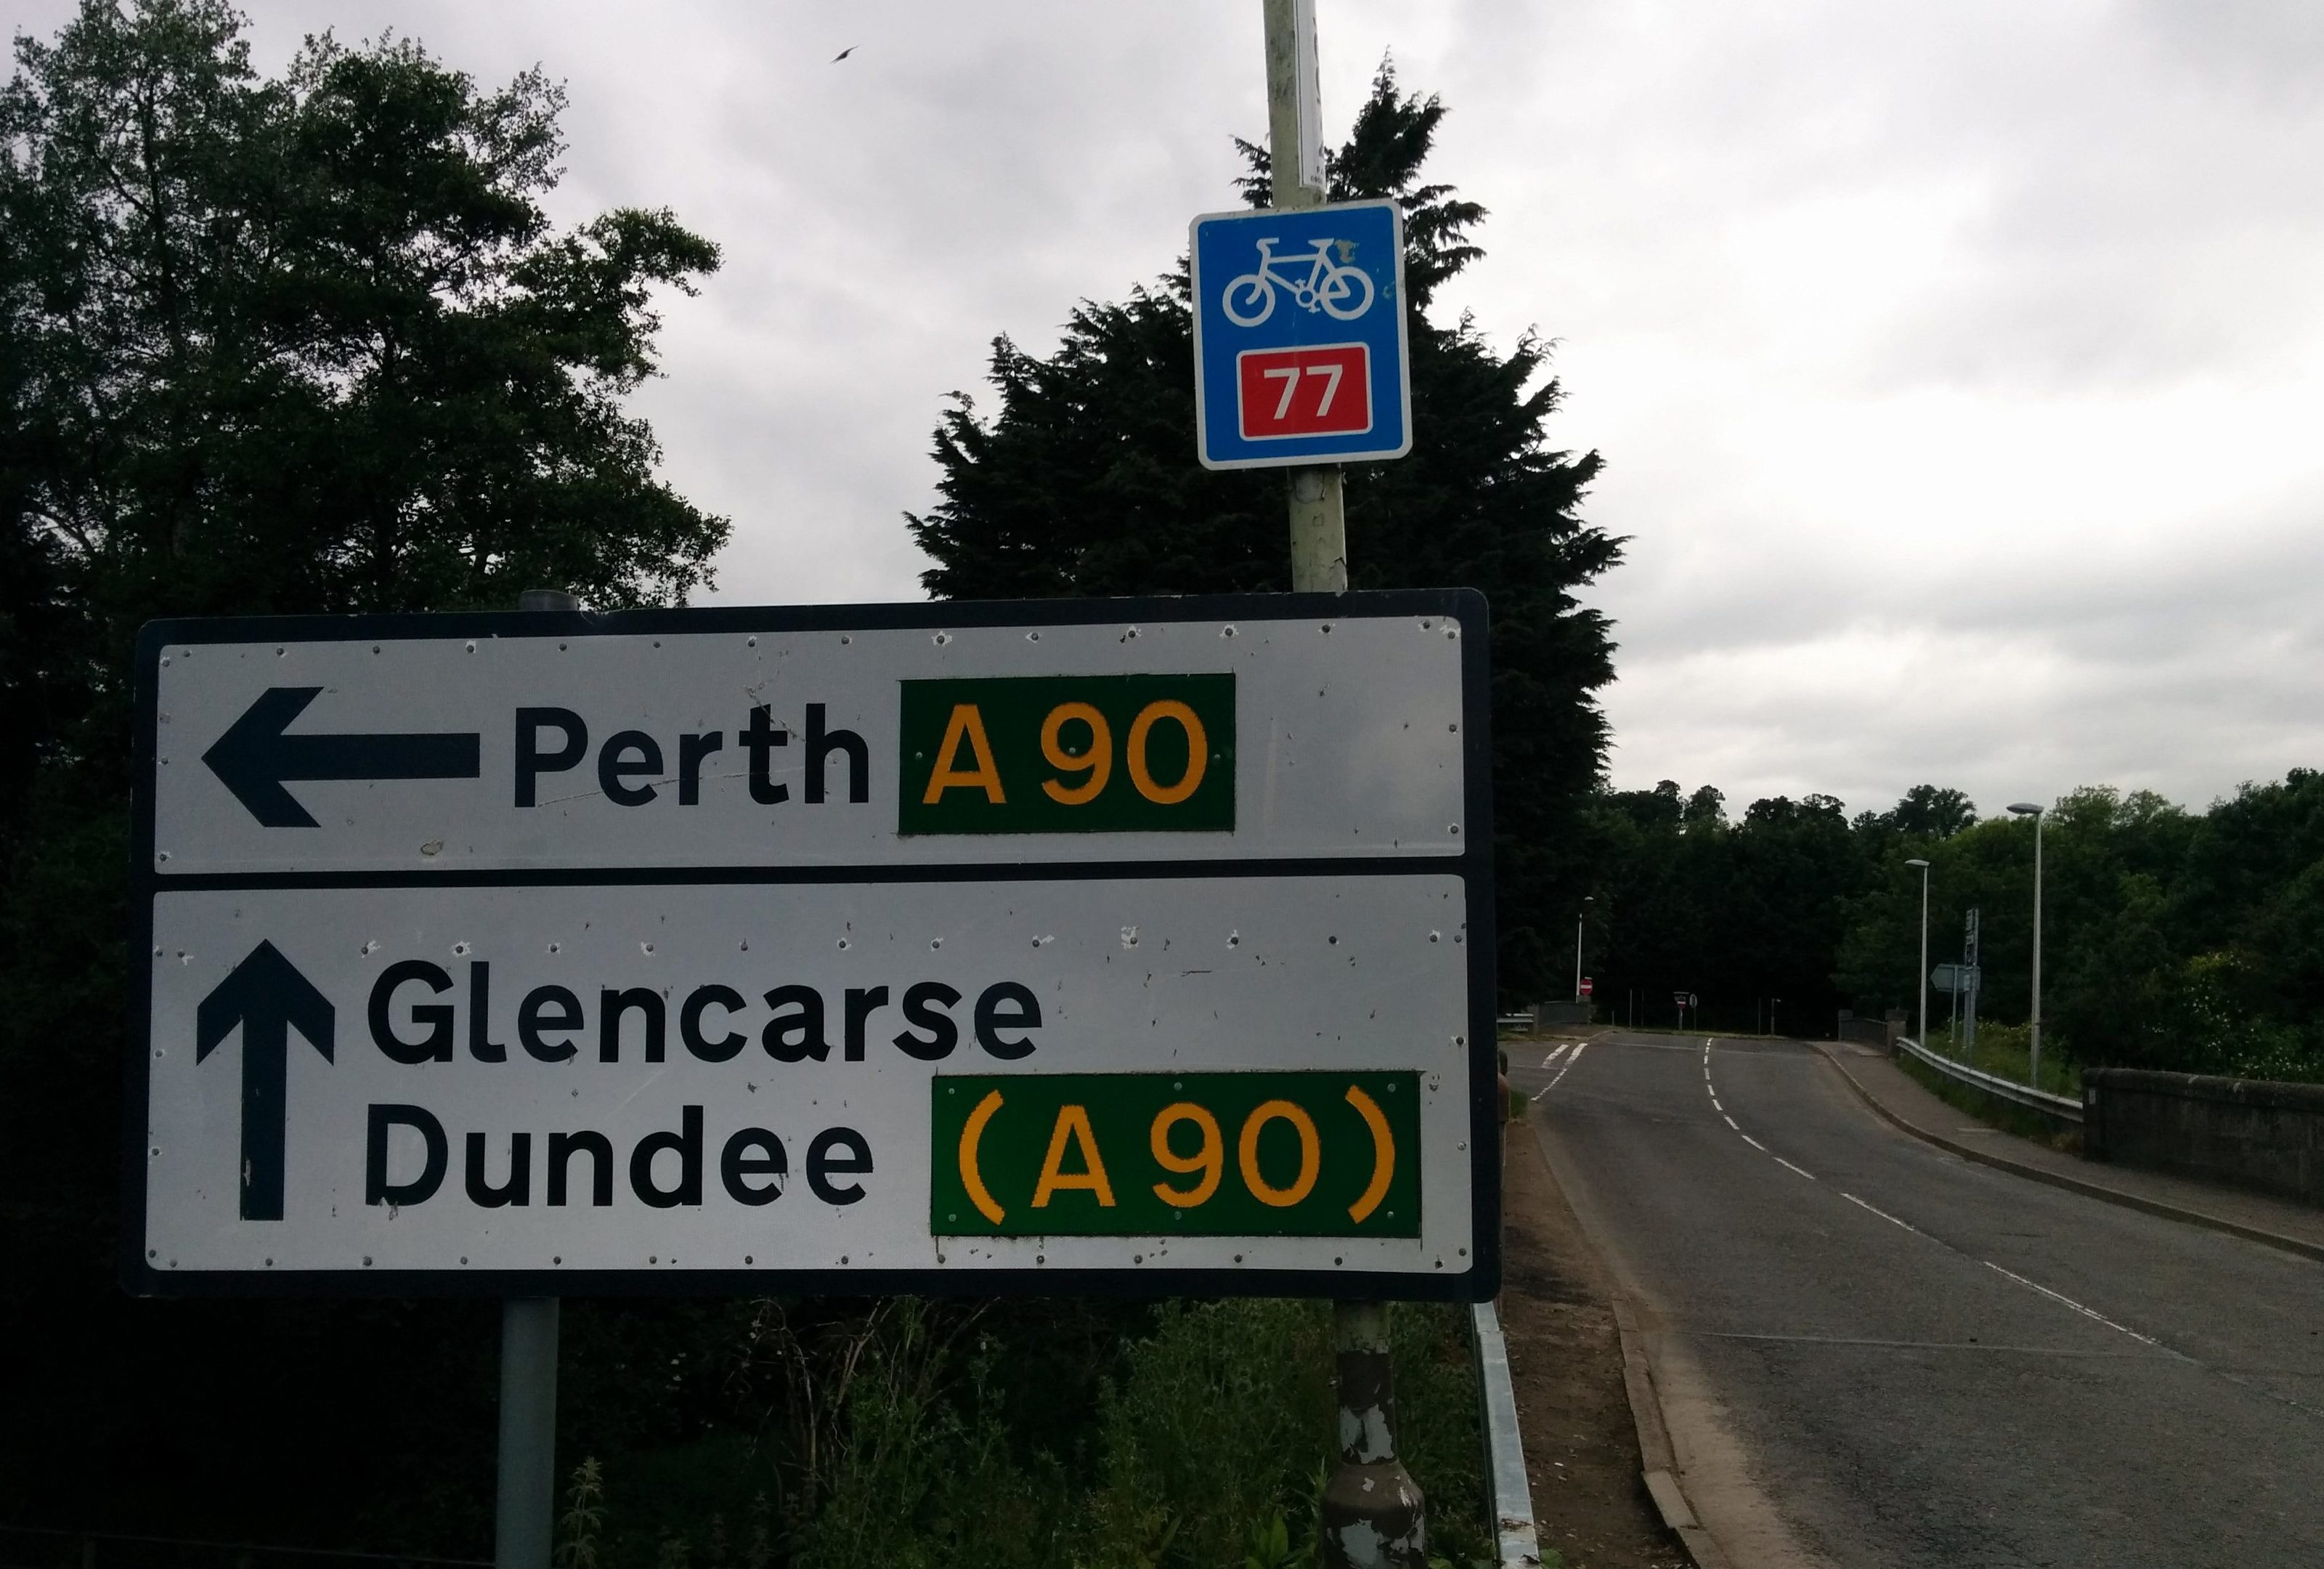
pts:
[1587, 987]
[1299, 337]
[923, 947]
[1956, 977]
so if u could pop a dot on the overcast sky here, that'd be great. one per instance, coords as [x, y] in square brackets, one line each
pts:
[1957, 368]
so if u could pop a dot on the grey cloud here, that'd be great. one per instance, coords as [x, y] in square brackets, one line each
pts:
[1851, 297]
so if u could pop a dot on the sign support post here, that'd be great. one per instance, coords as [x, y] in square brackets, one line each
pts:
[526, 1507]
[524, 1517]
[1319, 528]
[1371, 1510]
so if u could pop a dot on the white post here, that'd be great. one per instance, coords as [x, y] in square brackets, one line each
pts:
[1319, 527]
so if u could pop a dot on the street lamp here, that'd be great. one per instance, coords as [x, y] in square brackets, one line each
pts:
[1581, 916]
[1921, 1020]
[2028, 809]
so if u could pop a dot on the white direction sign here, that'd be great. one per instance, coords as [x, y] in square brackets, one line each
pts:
[928, 947]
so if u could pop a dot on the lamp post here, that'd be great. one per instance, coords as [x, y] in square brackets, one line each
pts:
[1582, 916]
[1921, 1019]
[2028, 809]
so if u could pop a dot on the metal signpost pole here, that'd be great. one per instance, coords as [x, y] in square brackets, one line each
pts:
[525, 1516]
[1970, 967]
[1371, 1509]
[1578, 919]
[1319, 529]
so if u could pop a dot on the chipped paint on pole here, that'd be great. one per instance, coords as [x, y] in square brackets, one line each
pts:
[1372, 1516]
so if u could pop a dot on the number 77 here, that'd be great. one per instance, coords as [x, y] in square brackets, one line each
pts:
[1289, 376]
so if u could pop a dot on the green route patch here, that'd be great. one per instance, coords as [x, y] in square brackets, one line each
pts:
[1310, 1154]
[1067, 754]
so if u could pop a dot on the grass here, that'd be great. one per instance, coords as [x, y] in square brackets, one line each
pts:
[2005, 1051]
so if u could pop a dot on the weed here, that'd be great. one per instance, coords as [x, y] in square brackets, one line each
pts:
[584, 1519]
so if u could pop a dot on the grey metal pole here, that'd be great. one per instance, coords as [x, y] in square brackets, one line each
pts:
[2035, 1033]
[1921, 1018]
[1580, 918]
[2036, 812]
[525, 1522]
[1319, 527]
[1371, 1510]
[527, 1514]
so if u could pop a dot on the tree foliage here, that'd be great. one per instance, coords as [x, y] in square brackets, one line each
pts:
[1082, 480]
[266, 346]
[2169, 939]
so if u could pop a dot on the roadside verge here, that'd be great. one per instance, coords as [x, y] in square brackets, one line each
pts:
[1885, 1088]
[1570, 1361]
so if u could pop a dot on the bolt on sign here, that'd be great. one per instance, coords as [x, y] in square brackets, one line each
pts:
[1104, 944]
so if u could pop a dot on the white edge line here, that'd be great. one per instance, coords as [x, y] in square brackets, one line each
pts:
[1755, 1144]
[1789, 1166]
[1729, 1121]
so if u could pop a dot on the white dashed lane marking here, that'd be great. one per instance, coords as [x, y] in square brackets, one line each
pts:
[1578, 1047]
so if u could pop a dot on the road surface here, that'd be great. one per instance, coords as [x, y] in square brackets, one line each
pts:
[1877, 1353]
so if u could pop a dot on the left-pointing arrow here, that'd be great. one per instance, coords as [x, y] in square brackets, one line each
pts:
[268, 997]
[253, 757]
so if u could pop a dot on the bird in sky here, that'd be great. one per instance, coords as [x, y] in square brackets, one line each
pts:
[844, 53]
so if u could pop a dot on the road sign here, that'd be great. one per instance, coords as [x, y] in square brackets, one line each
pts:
[1299, 337]
[1956, 977]
[942, 948]
[1587, 988]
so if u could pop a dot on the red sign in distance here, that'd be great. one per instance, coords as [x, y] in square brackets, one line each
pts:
[1587, 988]
[1304, 392]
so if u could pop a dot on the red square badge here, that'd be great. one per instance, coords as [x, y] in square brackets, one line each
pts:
[1304, 392]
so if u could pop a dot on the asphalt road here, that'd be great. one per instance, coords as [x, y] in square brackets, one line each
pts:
[1904, 1358]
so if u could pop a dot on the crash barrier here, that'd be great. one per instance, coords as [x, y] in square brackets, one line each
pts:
[2064, 1108]
[1508, 1495]
[2248, 1133]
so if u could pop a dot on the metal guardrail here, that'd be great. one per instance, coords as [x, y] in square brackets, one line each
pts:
[1514, 1020]
[2065, 1108]
[1517, 1541]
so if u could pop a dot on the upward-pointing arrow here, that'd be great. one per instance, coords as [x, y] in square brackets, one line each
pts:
[267, 997]
[253, 757]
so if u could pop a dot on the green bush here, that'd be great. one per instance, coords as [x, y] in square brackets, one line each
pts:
[884, 1435]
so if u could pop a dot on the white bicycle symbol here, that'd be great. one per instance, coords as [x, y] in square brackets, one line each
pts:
[1327, 287]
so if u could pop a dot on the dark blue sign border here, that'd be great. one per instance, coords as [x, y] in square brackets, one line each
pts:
[1219, 340]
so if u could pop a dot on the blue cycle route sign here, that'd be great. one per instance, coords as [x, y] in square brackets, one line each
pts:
[1299, 343]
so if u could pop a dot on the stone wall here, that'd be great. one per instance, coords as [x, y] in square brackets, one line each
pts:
[2243, 1132]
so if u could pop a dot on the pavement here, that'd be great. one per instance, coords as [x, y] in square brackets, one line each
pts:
[1904, 1100]
[1869, 1350]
